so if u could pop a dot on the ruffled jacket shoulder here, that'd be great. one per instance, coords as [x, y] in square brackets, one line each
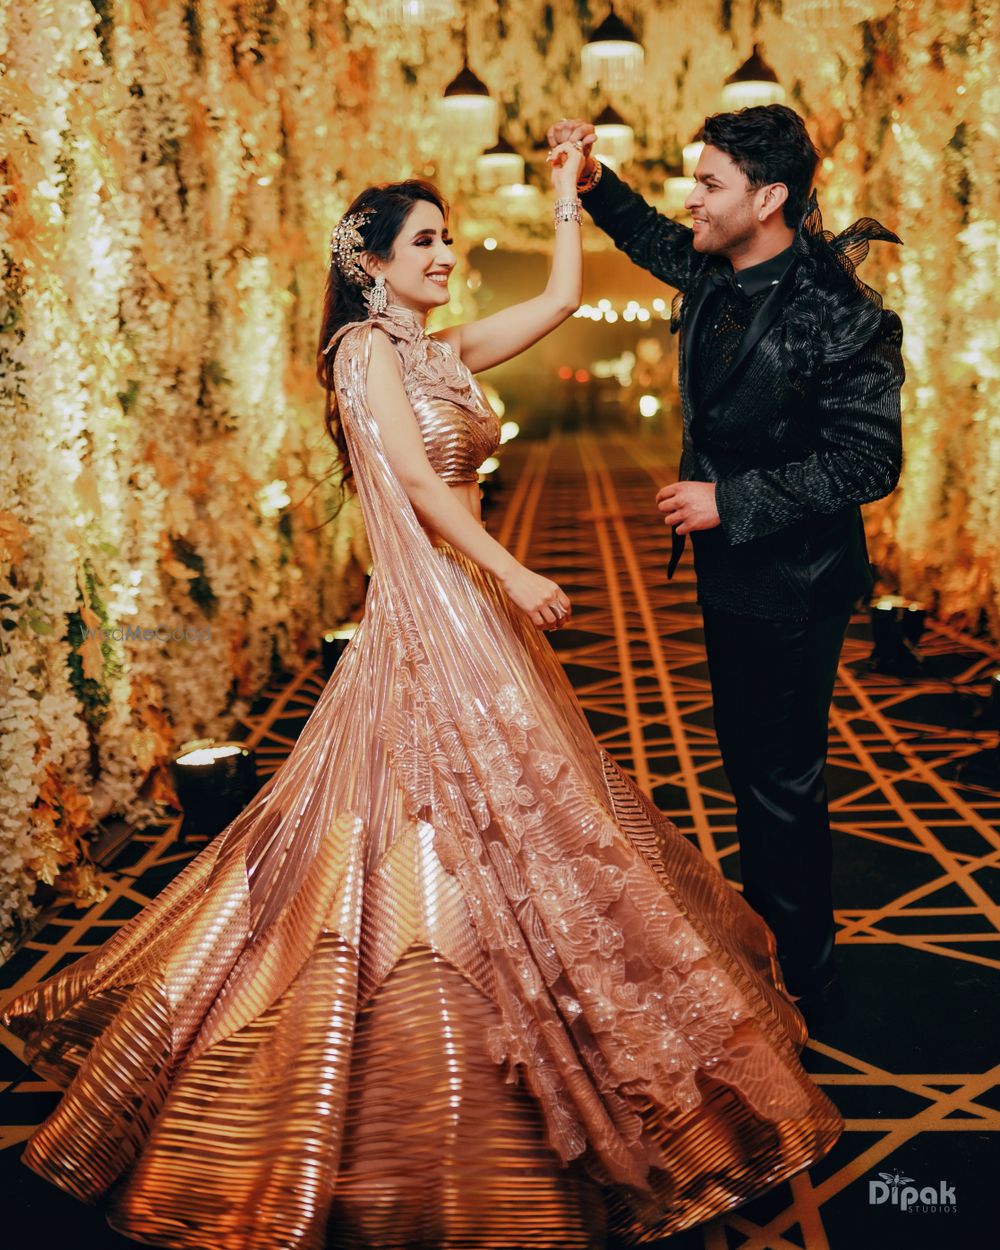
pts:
[831, 308]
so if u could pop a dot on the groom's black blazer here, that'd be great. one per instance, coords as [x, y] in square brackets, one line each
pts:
[802, 429]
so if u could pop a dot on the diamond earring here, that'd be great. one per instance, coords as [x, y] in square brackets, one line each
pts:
[377, 298]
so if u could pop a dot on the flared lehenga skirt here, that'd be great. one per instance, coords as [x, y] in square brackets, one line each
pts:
[347, 1024]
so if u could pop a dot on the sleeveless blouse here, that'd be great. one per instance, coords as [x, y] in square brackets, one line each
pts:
[459, 428]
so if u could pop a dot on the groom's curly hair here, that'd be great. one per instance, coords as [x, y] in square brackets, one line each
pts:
[768, 143]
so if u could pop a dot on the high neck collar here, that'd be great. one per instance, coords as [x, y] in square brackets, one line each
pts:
[767, 273]
[411, 323]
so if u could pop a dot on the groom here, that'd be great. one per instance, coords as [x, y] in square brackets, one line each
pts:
[790, 372]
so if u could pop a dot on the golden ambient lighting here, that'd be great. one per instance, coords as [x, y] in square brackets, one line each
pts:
[469, 116]
[692, 153]
[415, 13]
[633, 311]
[520, 197]
[213, 781]
[755, 82]
[615, 138]
[831, 14]
[208, 755]
[612, 57]
[499, 165]
[334, 643]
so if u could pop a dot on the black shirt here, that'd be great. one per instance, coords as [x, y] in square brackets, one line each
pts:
[729, 309]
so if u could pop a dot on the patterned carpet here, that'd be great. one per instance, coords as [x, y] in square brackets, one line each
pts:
[912, 1064]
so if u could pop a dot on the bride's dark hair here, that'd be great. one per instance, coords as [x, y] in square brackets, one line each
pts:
[343, 301]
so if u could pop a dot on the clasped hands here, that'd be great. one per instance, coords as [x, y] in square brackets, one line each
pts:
[569, 148]
[689, 506]
[572, 132]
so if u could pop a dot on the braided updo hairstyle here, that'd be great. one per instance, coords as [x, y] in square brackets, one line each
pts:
[343, 300]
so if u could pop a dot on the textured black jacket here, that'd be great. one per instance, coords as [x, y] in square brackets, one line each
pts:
[802, 429]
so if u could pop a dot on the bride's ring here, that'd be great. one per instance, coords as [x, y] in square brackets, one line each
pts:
[576, 143]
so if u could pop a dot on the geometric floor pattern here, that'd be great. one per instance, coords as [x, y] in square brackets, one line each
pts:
[913, 1064]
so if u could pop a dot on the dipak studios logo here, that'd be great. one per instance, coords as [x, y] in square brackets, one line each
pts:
[897, 1190]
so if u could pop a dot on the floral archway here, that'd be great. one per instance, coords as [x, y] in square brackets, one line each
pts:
[171, 172]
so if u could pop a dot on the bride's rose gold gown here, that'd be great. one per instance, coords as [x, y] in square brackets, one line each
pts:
[450, 979]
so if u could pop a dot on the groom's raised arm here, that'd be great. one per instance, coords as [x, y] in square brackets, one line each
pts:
[655, 242]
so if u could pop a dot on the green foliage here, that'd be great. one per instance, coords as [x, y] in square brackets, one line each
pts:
[65, 165]
[105, 25]
[543, 36]
[957, 164]
[199, 588]
[94, 695]
[285, 536]
[127, 398]
[213, 373]
[192, 20]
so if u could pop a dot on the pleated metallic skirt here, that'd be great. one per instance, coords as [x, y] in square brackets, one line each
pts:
[348, 1023]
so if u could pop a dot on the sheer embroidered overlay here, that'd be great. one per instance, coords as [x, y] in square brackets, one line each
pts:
[450, 979]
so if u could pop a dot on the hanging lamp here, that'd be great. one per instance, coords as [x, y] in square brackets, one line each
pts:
[469, 115]
[415, 13]
[613, 57]
[500, 165]
[521, 199]
[677, 186]
[832, 14]
[691, 154]
[755, 82]
[615, 137]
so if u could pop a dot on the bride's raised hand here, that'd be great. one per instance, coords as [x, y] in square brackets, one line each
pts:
[547, 605]
[567, 160]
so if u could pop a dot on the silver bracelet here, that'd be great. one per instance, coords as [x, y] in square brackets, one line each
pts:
[568, 210]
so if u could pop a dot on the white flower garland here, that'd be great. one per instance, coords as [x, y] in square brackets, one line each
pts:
[172, 180]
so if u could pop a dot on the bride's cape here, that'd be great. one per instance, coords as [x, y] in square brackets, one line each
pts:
[446, 863]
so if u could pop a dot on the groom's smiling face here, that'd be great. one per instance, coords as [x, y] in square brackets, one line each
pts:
[722, 204]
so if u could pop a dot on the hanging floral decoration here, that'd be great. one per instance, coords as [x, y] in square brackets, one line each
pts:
[170, 175]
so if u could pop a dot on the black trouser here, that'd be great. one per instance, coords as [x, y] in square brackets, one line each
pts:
[772, 683]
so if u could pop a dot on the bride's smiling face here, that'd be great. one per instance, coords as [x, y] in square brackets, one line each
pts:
[416, 274]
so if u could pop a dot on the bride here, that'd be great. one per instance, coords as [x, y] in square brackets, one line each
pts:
[450, 979]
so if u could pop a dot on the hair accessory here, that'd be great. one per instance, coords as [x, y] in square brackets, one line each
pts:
[376, 297]
[346, 245]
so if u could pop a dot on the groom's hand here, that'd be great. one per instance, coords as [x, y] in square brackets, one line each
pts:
[575, 130]
[571, 130]
[689, 506]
